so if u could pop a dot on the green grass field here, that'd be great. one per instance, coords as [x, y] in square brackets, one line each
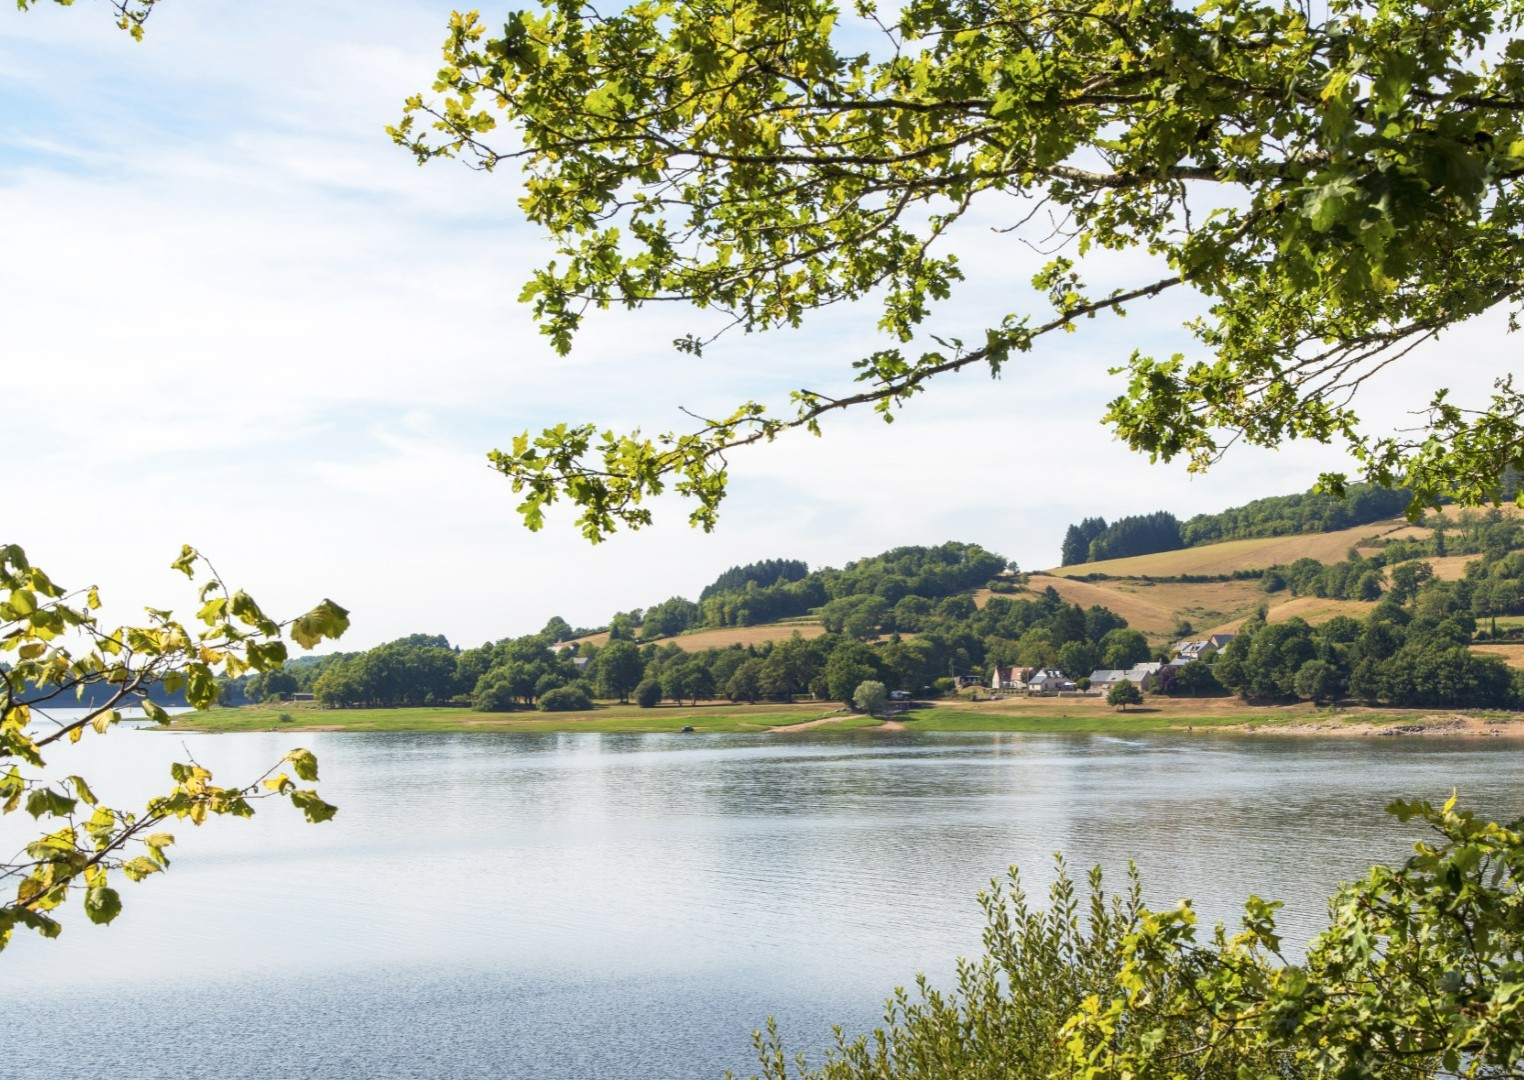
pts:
[1052, 715]
[706, 718]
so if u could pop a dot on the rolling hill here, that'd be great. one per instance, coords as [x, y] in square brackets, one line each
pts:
[1157, 607]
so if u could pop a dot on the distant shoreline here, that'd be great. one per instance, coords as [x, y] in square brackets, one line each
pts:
[1041, 715]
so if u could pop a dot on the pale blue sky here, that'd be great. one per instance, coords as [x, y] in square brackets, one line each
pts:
[237, 316]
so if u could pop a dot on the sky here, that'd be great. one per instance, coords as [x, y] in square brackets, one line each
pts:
[236, 316]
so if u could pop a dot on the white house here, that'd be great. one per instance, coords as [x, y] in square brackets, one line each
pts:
[1009, 678]
[1048, 681]
[1195, 649]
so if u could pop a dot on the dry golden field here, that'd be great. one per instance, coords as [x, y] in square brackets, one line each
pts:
[726, 636]
[1513, 654]
[1153, 608]
[1451, 567]
[1312, 609]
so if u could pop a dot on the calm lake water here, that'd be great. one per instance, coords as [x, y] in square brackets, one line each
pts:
[588, 906]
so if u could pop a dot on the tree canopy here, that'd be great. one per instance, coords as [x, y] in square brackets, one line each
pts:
[1334, 190]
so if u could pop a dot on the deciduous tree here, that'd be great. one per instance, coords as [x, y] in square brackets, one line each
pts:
[1124, 694]
[619, 669]
[1333, 188]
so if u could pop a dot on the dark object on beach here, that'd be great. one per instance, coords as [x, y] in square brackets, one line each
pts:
[686, 729]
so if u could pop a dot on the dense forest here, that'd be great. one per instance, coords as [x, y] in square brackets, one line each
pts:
[1092, 540]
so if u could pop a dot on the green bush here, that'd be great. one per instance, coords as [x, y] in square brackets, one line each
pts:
[565, 699]
[870, 697]
[648, 694]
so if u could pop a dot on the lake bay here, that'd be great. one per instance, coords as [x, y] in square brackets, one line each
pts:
[580, 906]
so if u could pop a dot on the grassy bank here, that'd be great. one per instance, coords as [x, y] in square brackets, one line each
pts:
[1051, 715]
[302, 716]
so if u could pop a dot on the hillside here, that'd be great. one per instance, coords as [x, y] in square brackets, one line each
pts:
[1158, 607]
[1233, 555]
[1155, 607]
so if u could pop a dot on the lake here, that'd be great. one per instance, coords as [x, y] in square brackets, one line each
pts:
[584, 906]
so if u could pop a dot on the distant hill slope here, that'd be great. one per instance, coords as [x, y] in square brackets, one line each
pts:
[1157, 607]
[1233, 555]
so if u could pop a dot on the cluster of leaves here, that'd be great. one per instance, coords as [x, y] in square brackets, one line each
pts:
[1334, 191]
[1415, 978]
[63, 656]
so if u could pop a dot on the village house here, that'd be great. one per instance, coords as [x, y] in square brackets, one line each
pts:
[1196, 649]
[1049, 681]
[1103, 679]
[1009, 678]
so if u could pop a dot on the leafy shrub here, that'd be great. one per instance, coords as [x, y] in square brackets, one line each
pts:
[648, 694]
[565, 699]
[870, 697]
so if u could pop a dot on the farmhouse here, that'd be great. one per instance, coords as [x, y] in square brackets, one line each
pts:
[1106, 678]
[1049, 681]
[1197, 649]
[1009, 678]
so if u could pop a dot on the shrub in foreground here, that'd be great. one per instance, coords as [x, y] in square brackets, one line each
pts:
[1419, 975]
[648, 694]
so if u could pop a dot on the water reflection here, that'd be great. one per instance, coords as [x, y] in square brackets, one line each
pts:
[632, 905]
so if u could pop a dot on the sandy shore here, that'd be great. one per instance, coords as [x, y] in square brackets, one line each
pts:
[1447, 724]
